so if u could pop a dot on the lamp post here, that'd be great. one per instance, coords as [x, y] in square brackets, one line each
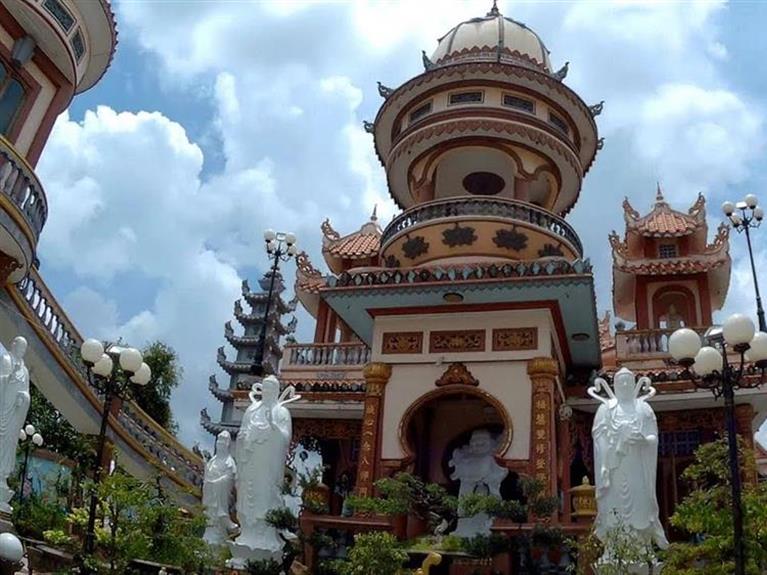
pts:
[31, 438]
[709, 367]
[750, 217]
[280, 247]
[112, 382]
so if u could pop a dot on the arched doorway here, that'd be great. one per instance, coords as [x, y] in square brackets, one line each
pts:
[444, 420]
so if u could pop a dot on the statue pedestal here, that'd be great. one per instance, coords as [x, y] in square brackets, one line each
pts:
[635, 569]
[241, 554]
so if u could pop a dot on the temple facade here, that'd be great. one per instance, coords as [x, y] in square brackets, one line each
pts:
[474, 308]
[234, 397]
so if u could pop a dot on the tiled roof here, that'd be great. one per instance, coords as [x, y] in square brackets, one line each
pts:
[308, 278]
[670, 266]
[356, 246]
[663, 221]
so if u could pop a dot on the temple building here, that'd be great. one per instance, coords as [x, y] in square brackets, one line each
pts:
[234, 396]
[474, 308]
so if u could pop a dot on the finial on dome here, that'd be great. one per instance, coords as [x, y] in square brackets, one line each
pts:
[659, 199]
[374, 215]
[494, 10]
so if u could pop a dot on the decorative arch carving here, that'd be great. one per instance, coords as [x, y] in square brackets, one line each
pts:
[508, 430]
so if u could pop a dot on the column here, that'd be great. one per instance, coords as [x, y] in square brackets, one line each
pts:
[543, 373]
[376, 377]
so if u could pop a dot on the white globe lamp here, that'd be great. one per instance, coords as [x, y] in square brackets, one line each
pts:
[707, 361]
[130, 359]
[11, 549]
[142, 375]
[684, 344]
[738, 329]
[91, 350]
[103, 366]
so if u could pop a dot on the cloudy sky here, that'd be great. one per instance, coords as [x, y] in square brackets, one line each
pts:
[221, 118]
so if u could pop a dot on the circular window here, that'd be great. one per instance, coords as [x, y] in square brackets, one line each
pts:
[483, 183]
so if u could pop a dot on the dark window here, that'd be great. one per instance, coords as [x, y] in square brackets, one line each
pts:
[78, 45]
[420, 112]
[555, 120]
[519, 103]
[465, 97]
[666, 251]
[483, 183]
[60, 13]
[11, 99]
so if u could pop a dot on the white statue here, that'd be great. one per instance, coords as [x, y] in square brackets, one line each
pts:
[478, 472]
[14, 405]
[262, 450]
[217, 488]
[625, 436]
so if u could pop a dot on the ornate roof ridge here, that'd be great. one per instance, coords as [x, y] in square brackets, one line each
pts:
[663, 220]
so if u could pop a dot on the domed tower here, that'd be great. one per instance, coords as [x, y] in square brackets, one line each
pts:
[487, 138]
[50, 50]
[474, 305]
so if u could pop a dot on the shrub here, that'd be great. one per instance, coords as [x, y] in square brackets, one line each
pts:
[375, 553]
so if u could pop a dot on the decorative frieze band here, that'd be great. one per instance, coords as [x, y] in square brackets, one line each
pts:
[515, 339]
[396, 342]
[457, 341]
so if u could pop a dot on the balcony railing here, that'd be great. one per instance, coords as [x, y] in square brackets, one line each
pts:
[19, 184]
[154, 439]
[522, 212]
[645, 343]
[326, 355]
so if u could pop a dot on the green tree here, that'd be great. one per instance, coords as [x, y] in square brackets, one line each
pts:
[154, 398]
[706, 515]
[60, 436]
[374, 553]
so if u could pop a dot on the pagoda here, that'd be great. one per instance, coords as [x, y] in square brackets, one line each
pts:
[665, 273]
[473, 305]
[234, 397]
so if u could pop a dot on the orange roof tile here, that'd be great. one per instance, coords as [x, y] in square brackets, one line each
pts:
[355, 246]
[663, 221]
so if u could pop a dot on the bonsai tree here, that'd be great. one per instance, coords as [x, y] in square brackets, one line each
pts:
[534, 506]
[407, 494]
[706, 516]
[374, 553]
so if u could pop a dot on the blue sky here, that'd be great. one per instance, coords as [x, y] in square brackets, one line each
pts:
[219, 119]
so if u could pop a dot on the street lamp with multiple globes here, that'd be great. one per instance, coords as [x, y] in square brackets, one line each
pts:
[750, 217]
[280, 247]
[709, 367]
[112, 382]
[29, 437]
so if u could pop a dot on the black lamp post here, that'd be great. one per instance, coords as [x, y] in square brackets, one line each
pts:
[709, 367]
[112, 382]
[280, 247]
[31, 438]
[750, 217]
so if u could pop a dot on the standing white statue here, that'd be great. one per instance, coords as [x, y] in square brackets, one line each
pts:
[14, 405]
[262, 450]
[217, 488]
[478, 472]
[625, 436]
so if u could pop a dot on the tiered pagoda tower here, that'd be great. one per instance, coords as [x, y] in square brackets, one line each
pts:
[470, 308]
[665, 273]
[234, 397]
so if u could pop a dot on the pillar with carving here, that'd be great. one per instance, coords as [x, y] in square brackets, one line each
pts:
[376, 377]
[543, 372]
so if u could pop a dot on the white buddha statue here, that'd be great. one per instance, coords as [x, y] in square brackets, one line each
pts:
[476, 469]
[14, 405]
[625, 436]
[262, 451]
[217, 490]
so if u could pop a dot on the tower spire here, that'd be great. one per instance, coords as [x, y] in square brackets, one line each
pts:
[494, 10]
[374, 215]
[659, 194]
